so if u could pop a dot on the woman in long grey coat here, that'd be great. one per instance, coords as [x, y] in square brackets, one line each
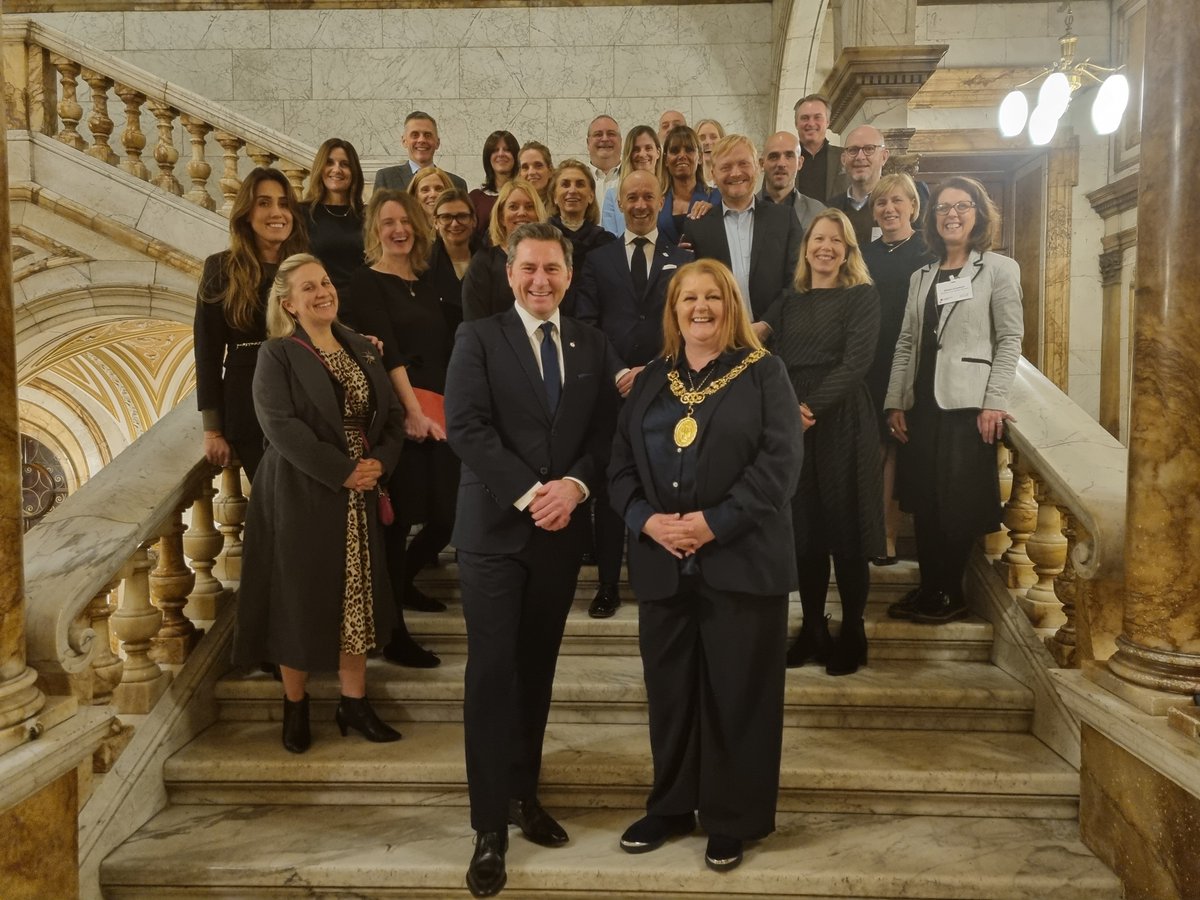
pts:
[314, 591]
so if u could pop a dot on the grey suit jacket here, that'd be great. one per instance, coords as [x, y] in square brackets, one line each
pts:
[979, 339]
[804, 206]
[398, 177]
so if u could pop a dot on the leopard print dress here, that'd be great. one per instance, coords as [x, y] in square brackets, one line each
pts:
[358, 622]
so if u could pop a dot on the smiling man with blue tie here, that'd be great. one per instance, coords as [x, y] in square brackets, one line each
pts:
[530, 405]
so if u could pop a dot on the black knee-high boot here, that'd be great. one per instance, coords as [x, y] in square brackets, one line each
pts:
[813, 642]
[854, 582]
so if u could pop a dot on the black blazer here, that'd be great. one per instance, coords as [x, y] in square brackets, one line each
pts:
[774, 252]
[397, 178]
[485, 289]
[750, 451]
[498, 422]
[605, 298]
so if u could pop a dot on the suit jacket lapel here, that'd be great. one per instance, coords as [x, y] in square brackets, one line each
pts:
[757, 240]
[315, 378]
[974, 266]
[514, 332]
[636, 415]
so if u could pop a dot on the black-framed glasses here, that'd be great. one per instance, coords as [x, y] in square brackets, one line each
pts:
[960, 207]
[867, 150]
[456, 218]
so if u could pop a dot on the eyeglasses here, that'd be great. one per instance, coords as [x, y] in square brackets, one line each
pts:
[960, 207]
[456, 218]
[867, 150]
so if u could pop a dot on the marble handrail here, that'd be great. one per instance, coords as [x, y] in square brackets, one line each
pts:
[85, 543]
[1081, 465]
[26, 31]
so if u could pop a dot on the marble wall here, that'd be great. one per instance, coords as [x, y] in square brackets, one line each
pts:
[542, 73]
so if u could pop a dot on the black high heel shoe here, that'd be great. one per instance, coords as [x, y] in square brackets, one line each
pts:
[296, 736]
[356, 713]
[849, 650]
[812, 643]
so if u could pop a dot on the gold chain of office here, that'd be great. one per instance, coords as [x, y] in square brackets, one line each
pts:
[687, 428]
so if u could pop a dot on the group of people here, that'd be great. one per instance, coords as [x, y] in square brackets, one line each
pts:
[640, 353]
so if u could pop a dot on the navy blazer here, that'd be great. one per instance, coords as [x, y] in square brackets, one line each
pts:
[605, 297]
[750, 450]
[774, 252]
[498, 422]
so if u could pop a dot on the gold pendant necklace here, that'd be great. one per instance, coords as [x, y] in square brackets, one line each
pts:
[687, 429]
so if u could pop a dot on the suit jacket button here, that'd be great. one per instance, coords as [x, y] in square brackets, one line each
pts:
[544, 471]
[642, 317]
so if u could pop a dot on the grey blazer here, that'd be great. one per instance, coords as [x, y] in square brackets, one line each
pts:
[398, 177]
[979, 340]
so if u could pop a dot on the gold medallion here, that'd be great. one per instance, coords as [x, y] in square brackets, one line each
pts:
[685, 431]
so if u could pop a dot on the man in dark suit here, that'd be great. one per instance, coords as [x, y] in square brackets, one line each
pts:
[529, 410]
[760, 242]
[621, 290]
[421, 141]
[781, 160]
[820, 175]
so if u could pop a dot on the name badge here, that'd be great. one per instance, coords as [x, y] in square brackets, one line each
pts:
[876, 233]
[953, 290]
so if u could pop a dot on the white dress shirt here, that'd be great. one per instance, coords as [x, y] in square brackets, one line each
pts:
[739, 232]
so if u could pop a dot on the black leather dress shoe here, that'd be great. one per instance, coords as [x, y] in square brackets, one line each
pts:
[651, 832]
[404, 651]
[536, 823]
[723, 853]
[605, 603]
[486, 875]
[938, 608]
[906, 605]
[417, 599]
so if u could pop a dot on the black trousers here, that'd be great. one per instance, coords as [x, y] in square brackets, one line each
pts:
[249, 452]
[610, 538]
[941, 559]
[516, 608]
[714, 665]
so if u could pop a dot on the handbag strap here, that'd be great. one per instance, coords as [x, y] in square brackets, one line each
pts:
[313, 350]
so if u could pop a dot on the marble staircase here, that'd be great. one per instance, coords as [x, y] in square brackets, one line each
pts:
[915, 777]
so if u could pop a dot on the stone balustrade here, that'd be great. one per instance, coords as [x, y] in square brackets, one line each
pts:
[1062, 550]
[122, 535]
[193, 136]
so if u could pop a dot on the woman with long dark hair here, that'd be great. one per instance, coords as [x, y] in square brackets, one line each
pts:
[333, 207]
[265, 227]
[686, 195]
[500, 152]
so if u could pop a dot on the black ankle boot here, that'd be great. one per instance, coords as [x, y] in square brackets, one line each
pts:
[812, 643]
[296, 736]
[356, 713]
[849, 651]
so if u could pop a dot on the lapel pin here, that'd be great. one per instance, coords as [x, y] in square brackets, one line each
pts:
[571, 343]
[368, 357]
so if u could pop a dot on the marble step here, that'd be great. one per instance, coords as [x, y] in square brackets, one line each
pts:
[888, 583]
[970, 639]
[822, 770]
[889, 693]
[422, 852]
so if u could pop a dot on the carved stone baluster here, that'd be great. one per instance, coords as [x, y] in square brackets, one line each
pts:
[132, 138]
[1047, 548]
[1062, 644]
[202, 542]
[165, 154]
[229, 182]
[106, 665]
[99, 121]
[261, 156]
[296, 175]
[69, 110]
[1020, 517]
[198, 170]
[998, 541]
[170, 583]
[135, 624]
[230, 510]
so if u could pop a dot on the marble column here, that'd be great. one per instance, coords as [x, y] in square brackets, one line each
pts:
[20, 697]
[1160, 644]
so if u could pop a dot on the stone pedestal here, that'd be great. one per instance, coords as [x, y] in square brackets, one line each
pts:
[1160, 644]
[39, 855]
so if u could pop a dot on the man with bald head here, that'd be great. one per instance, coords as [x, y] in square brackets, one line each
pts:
[781, 160]
[622, 290]
[672, 118]
[604, 153]
[862, 158]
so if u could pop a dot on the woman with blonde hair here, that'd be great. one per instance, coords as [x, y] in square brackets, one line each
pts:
[396, 300]
[485, 289]
[705, 459]
[265, 226]
[642, 152]
[709, 131]
[427, 185]
[314, 590]
[824, 329]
